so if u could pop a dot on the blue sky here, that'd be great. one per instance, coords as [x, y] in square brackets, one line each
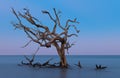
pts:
[99, 25]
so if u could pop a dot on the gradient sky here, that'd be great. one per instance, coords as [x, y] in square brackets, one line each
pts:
[99, 25]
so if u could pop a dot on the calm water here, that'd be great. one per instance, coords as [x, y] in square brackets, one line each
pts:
[10, 69]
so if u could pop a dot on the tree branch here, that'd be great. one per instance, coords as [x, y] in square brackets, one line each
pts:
[46, 12]
[72, 35]
[16, 15]
[27, 44]
[69, 20]
[57, 19]
[68, 45]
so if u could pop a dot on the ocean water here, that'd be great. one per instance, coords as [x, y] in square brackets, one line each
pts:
[9, 67]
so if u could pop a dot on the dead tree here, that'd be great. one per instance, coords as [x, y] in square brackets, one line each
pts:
[42, 35]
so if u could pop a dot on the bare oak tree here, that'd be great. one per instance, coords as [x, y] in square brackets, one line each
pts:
[42, 35]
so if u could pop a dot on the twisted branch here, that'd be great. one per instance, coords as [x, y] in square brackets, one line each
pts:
[42, 35]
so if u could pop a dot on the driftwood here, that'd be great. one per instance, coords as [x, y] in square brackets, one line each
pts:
[38, 64]
[54, 65]
[100, 67]
[47, 62]
[79, 64]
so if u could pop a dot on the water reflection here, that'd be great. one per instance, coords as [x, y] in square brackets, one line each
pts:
[63, 73]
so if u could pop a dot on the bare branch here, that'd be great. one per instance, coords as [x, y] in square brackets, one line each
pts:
[16, 15]
[47, 62]
[27, 17]
[31, 19]
[46, 12]
[30, 60]
[28, 14]
[54, 28]
[69, 20]
[58, 21]
[33, 38]
[35, 53]
[27, 58]
[17, 26]
[55, 22]
[68, 45]
[73, 27]
[27, 44]
[72, 35]
[57, 18]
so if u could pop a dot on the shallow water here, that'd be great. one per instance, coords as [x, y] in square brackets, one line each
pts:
[9, 67]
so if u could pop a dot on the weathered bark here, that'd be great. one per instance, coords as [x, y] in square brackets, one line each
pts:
[63, 60]
[61, 53]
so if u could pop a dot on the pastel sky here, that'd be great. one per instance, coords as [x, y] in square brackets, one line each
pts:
[99, 25]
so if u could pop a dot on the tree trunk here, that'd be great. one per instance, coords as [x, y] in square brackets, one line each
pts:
[61, 53]
[63, 61]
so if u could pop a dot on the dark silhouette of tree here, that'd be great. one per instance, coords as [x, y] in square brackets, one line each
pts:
[42, 35]
[100, 67]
